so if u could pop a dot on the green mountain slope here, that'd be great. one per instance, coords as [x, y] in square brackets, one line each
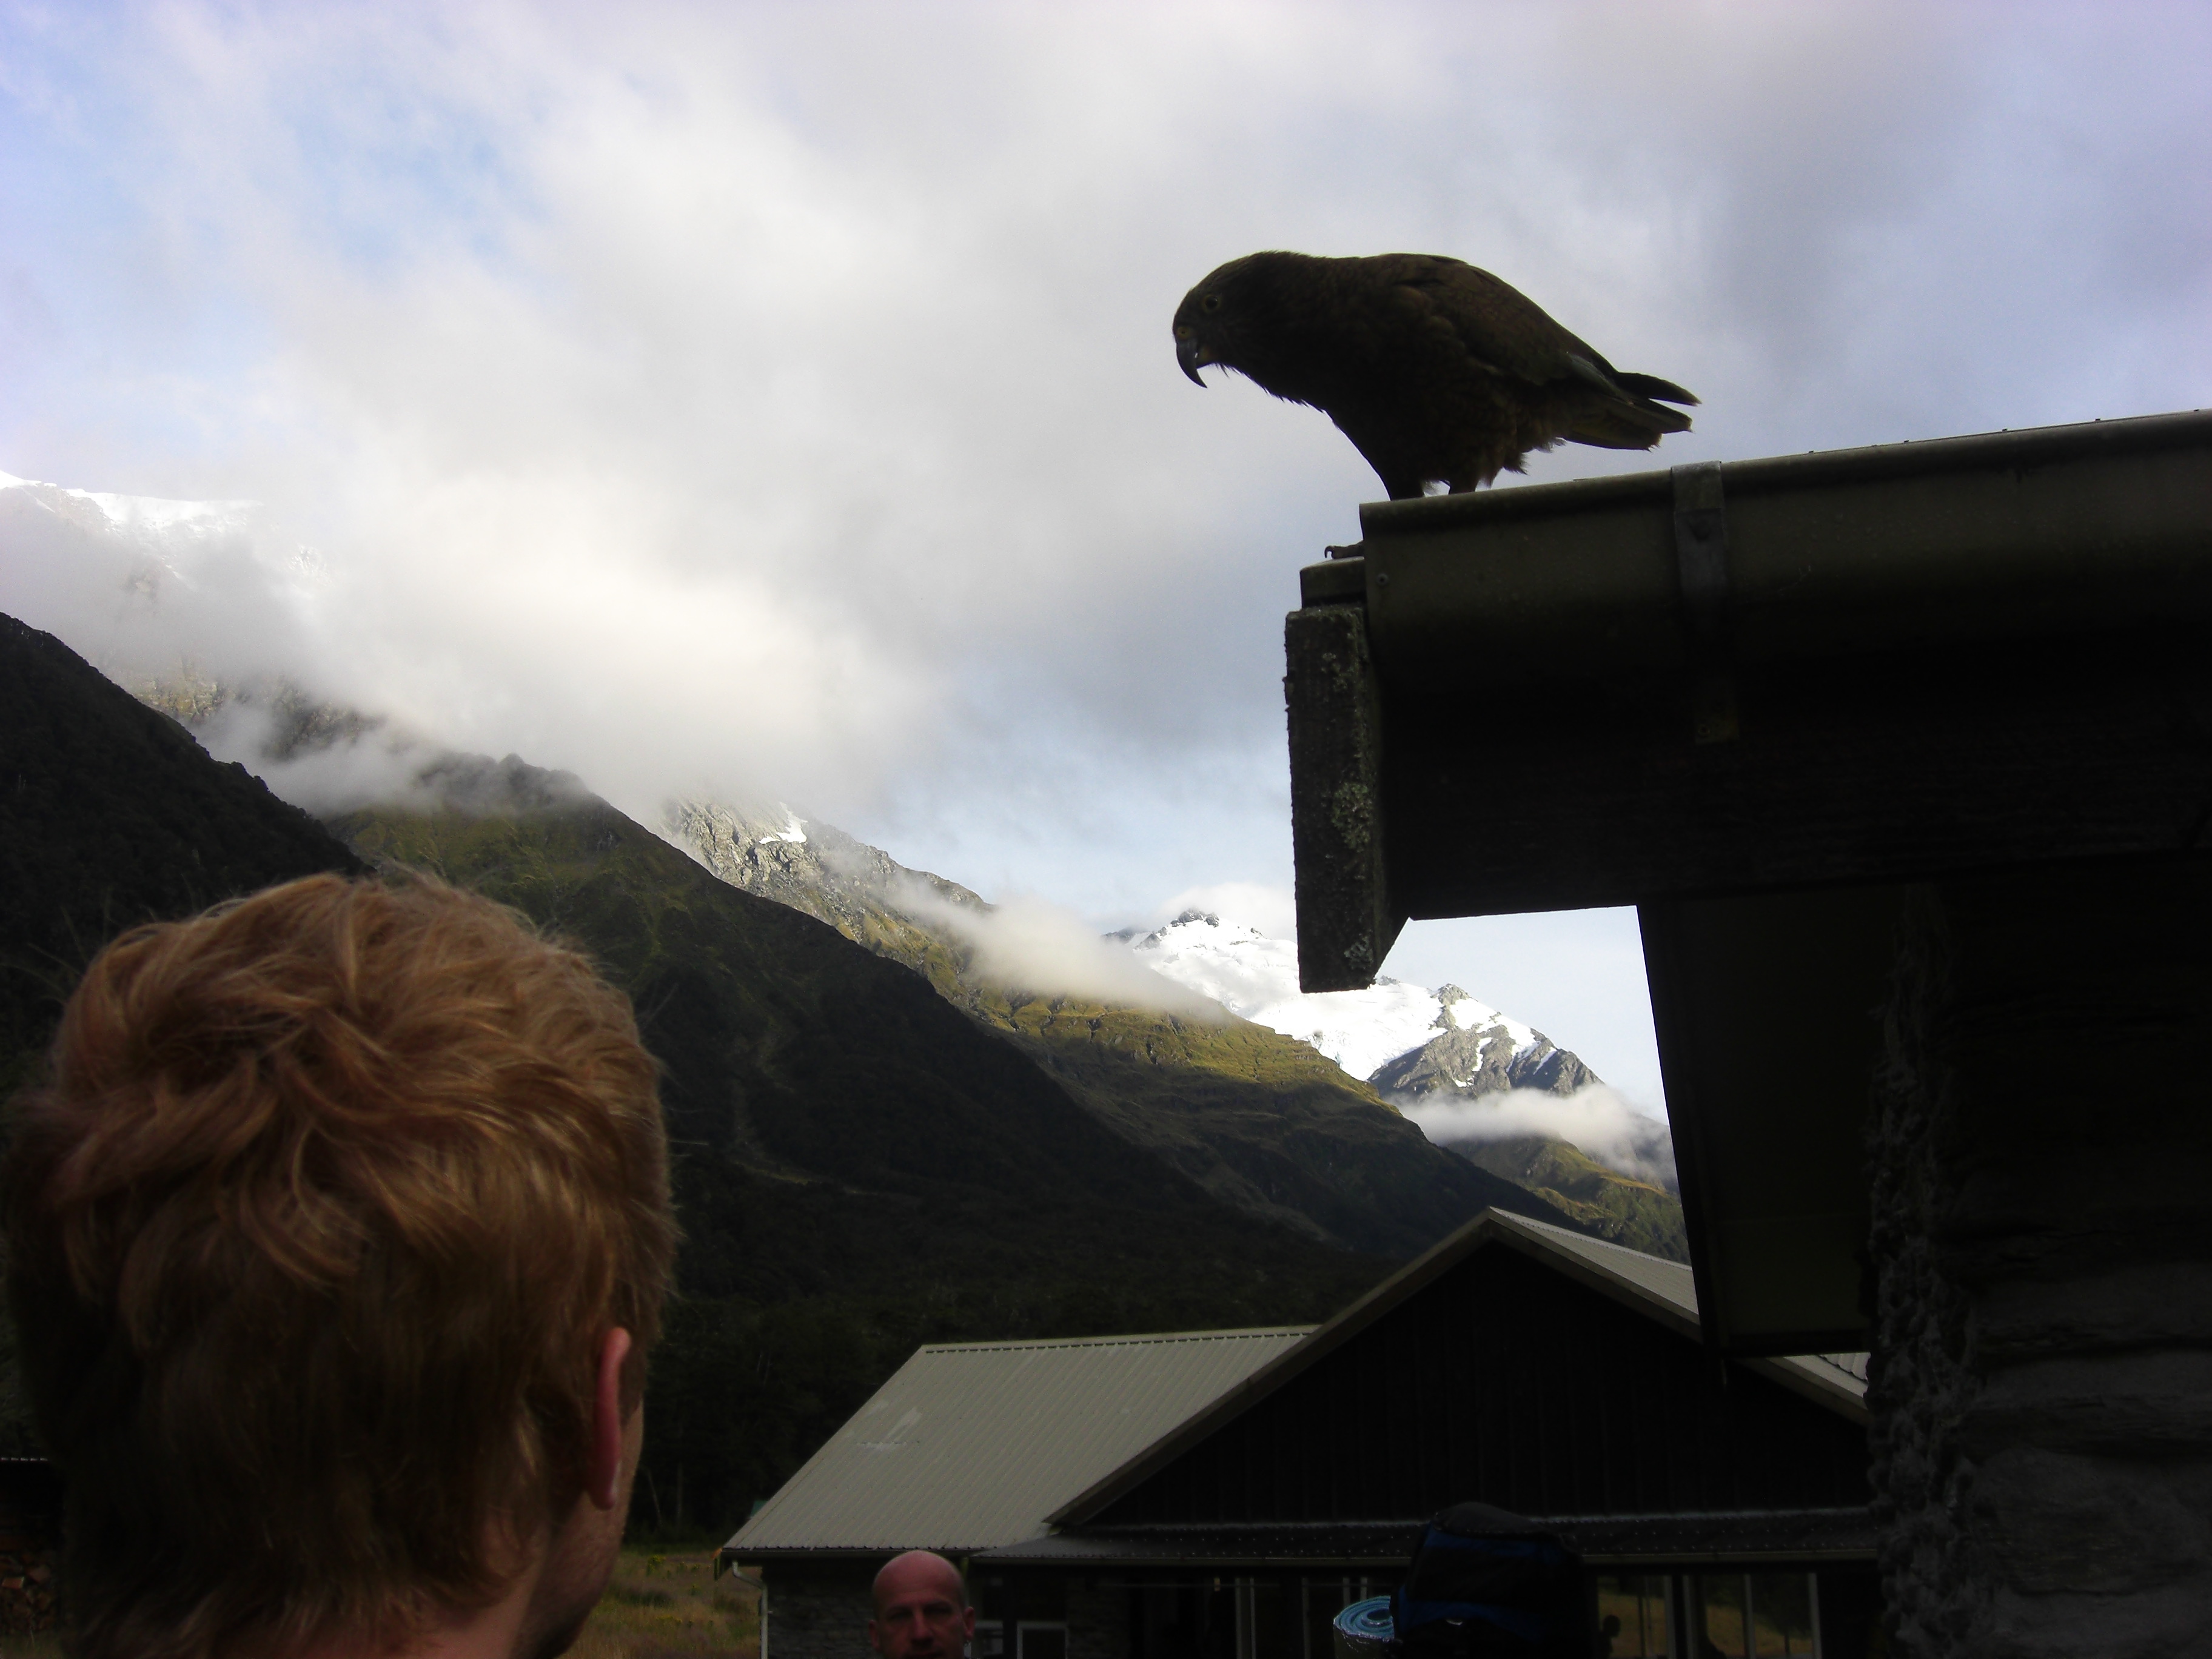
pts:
[1611, 1204]
[1259, 1120]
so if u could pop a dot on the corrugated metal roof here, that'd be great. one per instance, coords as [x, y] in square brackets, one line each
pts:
[1670, 1281]
[972, 1445]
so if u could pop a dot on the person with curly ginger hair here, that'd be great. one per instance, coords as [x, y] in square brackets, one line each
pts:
[339, 1237]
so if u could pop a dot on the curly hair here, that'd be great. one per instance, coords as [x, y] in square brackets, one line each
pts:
[312, 1231]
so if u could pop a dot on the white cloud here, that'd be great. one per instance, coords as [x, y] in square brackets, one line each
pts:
[371, 767]
[1598, 1120]
[786, 391]
[1028, 943]
[782, 397]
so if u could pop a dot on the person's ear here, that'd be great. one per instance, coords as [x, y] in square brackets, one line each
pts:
[602, 1467]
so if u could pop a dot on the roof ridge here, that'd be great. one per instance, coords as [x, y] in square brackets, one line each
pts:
[1592, 1238]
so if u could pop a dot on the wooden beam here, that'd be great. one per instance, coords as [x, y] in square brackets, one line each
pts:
[1347, 918]
[1877, 770]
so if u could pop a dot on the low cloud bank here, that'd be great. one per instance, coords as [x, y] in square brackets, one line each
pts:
[1597, 1121]
[1026, 944]
[371, 766]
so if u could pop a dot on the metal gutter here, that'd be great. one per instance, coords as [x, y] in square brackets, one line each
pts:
[1898, 547]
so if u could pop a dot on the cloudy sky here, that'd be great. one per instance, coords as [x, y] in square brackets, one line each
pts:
[779, 399]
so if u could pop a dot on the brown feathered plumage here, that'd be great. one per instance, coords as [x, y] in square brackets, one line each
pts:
[1435, 370]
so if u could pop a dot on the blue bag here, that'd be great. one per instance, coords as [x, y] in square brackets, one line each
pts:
[1484, 1583]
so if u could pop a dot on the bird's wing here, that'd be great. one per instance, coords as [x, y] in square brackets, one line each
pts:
[1497, 326]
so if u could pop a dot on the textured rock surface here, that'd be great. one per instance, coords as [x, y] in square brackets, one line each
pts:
[2042, 1387]
[1483, 1059]
[1919, 1383]
[817, 1611]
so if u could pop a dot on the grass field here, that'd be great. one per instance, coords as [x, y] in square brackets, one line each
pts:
[668, 1605]
[661, 1605]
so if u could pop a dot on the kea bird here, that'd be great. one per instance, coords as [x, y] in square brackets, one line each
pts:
[1435, 370]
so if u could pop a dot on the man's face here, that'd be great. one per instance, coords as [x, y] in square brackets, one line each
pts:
[919, 1613]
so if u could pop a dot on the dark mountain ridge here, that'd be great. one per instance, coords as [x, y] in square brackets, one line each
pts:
[111, 814]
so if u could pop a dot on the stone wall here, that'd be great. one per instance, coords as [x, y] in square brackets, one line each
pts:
[817, 1611]
[2042, 1385]
[1097, 1619]
[26, 1590]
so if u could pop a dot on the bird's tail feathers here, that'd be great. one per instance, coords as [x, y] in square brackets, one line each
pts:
[1637, 426]
[1651, 385]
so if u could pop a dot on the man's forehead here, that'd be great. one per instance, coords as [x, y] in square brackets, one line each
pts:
[918, 1578]
[927, 1593]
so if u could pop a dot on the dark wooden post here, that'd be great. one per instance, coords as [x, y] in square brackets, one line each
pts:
[1347, 921]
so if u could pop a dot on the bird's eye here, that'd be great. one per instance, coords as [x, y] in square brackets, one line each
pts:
[1211, 302]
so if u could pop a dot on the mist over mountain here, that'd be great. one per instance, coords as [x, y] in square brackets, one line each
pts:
[114, 815]
[1262, 1122]
[1401, 1038]
[1145, 1033]
[1194, 1040]
[1478, 1082]
[1150, 1035]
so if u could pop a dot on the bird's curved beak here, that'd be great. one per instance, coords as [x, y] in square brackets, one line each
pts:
[1191, 357]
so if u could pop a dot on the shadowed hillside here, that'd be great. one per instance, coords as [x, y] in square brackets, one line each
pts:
[115, 814]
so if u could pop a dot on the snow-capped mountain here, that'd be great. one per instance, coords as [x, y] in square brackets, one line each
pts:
[860, 890]
[1421, 1041]
[172, 533]
[141, 584]
[1481, 1084]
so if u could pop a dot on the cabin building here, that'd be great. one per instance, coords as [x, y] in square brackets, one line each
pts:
[1224, 1495]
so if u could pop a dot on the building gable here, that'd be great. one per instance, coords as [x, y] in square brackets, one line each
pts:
[1505, 1379]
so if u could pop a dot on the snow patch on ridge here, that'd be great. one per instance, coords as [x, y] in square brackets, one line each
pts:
[170, 526]
[793, 832]
[1256, 977]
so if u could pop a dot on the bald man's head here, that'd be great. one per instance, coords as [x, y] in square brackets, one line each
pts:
[921, 1608]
